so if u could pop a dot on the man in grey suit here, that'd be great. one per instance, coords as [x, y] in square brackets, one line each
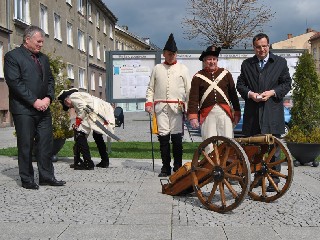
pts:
[31, 90]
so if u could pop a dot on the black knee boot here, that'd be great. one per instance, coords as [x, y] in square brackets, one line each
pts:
[83, 148]
[177, 150]
[165, 155]
[102, 148]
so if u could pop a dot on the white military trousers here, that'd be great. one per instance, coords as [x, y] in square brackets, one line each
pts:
[169, 122]
[217, 123]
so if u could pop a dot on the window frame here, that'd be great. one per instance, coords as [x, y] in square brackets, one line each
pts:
[57, 26]
[43, 18]
[69, 34]
[23, 12]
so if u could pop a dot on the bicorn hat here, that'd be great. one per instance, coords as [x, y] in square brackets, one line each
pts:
[210, 51]
[171, 44]
[65, 93]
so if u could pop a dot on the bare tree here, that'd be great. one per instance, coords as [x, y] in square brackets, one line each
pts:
[225, 23]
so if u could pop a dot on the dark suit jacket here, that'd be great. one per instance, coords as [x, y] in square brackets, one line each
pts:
[25, 81]
[270, 114]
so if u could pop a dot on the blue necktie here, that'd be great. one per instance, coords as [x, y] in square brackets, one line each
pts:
[261, 64]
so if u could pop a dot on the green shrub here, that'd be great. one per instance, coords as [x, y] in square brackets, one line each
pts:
[60, 119]
[305, 113]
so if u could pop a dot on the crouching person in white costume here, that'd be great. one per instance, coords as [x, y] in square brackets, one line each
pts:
[72, 98]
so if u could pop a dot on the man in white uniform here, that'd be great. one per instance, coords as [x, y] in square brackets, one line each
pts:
[72, 98]
[167, 97]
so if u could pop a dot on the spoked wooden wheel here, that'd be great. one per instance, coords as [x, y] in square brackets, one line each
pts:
[221, 176]
[269, 172]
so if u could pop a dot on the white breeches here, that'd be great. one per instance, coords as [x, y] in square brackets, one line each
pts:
[217, 123]
[169, 121]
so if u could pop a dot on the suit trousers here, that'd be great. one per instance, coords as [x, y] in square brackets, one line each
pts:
[31, 128]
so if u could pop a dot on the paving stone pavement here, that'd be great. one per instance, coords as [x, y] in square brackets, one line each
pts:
[125, 202]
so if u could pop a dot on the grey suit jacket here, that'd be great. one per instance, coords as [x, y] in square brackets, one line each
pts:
[26, 83]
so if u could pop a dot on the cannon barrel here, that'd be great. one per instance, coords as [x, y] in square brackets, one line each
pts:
[263, 139]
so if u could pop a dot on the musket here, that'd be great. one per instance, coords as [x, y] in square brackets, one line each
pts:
[90, 111]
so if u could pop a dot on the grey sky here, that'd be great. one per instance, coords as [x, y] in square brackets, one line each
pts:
[157, 19]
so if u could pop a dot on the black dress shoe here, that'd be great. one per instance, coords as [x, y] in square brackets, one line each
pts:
[103, 164]
[163, 174]
[52, 182]
[30, 185]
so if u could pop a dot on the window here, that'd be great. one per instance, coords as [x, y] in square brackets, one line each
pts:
[1, 60]
[57, 27]
[69, 34]
[104, 26]
[92, 82]
[82, 78]
[89, 12]
[81, 7]
[100, 80]
[81, 41]
[98, 19]
[44, 18]
[98, 51]
[22, 10]
[90, 47]
[118, 45]
[104, 53]
[111, 32]
[69, 2]
[70, 71]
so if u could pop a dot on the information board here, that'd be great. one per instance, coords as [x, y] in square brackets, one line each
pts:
[129, 72]
[131, 75]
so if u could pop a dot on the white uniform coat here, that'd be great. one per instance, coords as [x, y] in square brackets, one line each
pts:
[80, 100]
[169, 82]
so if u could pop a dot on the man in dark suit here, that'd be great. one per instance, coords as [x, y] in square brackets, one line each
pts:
[263, 83]
[31, 90]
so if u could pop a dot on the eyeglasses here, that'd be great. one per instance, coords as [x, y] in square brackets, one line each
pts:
[261, 47]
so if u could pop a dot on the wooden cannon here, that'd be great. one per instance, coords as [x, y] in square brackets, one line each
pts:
[224, 171]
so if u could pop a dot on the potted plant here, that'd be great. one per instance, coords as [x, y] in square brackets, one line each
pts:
[60, 119]
[303, 139]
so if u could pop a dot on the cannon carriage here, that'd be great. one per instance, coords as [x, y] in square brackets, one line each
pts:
[224, 171]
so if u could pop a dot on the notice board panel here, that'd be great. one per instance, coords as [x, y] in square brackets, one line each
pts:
[130, 77]
[129, 71]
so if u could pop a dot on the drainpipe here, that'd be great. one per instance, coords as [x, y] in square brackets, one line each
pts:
[8, 22]
[87, 12]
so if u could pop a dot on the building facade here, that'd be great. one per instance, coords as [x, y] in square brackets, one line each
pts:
[126, 41]
[315, 49]
[296, 42]
[78, 31]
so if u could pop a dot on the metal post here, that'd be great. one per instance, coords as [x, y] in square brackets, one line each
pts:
[150, 121]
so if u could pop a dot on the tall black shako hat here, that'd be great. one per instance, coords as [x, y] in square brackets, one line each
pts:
[171, 44]
[65, 93]
[210, 51]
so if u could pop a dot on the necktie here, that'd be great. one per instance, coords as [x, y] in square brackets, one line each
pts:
[261, 64]
[36, 60]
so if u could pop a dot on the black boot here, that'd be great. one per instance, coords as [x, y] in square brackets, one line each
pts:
[77, 161]
[177, 150]
[165, 155]
[102, 148]
[83, 148]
